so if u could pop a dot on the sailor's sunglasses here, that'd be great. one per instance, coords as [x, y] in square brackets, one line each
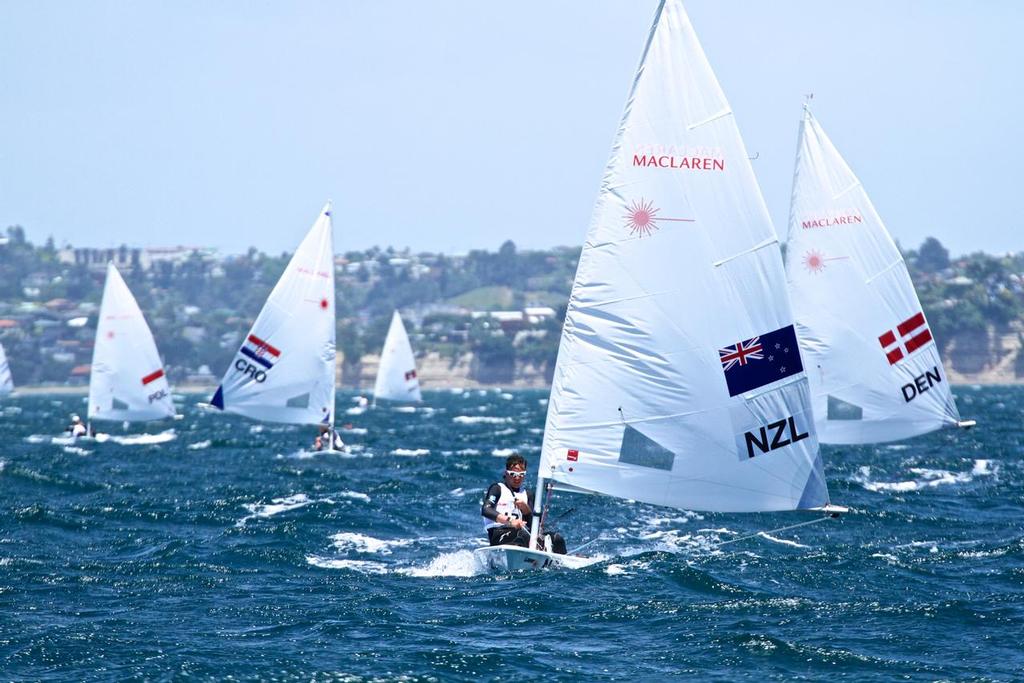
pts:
[515, 473]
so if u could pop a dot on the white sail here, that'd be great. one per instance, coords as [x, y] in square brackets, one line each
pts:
[127, 381]
[284, 369]
[679, 378]
[6, 383]
[396, 375]
[874, 368]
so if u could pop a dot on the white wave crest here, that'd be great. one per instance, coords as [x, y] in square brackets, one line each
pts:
[411, 452]
[458, 563]
[361, 566]
[926, 478]
[480, 419]
[362, 543]
[199, 445]
[145, 439]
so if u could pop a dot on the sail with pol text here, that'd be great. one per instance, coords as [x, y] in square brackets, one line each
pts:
[679, 379]
[127, 381]
[284, 369]
[396, 375]
[874, 368]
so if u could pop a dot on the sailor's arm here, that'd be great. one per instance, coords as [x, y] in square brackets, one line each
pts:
[488, 510]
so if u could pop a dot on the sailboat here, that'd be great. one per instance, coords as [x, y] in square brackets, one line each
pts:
[127, 381]
[874, 368]
[6, 382]
[679, 380]
[396, 374]
[284, 369]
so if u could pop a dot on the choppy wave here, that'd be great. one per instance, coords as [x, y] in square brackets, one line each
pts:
[248, 554]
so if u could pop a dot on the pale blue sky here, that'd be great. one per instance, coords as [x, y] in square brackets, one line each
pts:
[448, 125]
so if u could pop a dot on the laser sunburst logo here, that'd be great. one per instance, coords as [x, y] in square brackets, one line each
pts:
[642, 218]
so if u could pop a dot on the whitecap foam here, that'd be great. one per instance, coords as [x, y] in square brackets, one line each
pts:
[480, 419]
[145, 439]
[983, 468]
[504, 432]
[355, 495]
[75, 450]
[37, 438]
[361, 566]
[507, 397]
[458, 563]
[288, 503]
[361, 543]
[199, 445]
[468, 451]
[926, 478]
[411, 452]
[404, 409]
[356, 410]
[277, 505]
[503, 452]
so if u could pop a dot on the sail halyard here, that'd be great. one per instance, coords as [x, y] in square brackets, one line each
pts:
[284, 370]
[677, 271]
[874, 369]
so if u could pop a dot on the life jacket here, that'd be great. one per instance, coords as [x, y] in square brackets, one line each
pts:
[506, 505]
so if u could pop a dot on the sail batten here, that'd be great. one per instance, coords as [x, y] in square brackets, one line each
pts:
[126, 380]
[284, 369]
[876, 372]
[679, 380]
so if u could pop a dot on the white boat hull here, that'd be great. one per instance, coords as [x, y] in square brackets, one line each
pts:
[512, 558]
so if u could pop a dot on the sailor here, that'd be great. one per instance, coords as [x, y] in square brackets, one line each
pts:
[328, 439]
[76, 428]
[508, 509]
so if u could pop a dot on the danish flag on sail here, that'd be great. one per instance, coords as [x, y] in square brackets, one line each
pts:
[260, 351]
[914, 334]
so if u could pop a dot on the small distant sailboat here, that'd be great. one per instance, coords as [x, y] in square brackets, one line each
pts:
[284, 369]
[679, 380]
[127, 381]
[6, 382]
[874, 369]
[396, 375]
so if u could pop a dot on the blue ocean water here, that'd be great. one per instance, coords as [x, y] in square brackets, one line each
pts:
[229, 552]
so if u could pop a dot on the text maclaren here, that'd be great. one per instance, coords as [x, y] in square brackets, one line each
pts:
[691, 163]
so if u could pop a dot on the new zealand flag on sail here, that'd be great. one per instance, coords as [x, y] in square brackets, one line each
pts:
[753, 363]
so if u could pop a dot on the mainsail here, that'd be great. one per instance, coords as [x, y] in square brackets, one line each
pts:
[6, 383]
[874, 369]
[679, 380]
[284, 369]
[127, 380]
[396, 375]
